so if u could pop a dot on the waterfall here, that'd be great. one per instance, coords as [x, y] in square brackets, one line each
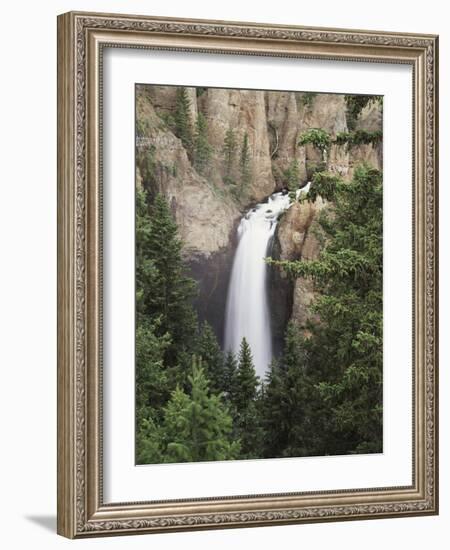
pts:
[247, 310]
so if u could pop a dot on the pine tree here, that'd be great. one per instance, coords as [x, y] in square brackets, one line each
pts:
[183, 123]
[292, 176]
[151, 376]
[202, 148]
[345, 362]
[247, 381]
[149, 441]
[197, 426]
[163, 292]
[146, 271]
[247, 426]
[230, 152]
[230, 381]
[244, 164]
[286, 400]
[151, 389]
[209, 351]
[319, 138]
[159, 335]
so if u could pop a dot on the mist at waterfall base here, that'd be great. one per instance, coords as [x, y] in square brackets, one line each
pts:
[247, 308]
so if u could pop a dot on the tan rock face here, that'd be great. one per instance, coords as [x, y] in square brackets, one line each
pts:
[297, 241]
[293, 229]
[205, 217]
[304, 296]
[162, 98]
[244, 112]
[328, 111]
[284, 118]
[370, 119]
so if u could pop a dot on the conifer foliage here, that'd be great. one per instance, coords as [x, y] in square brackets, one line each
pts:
[230, 154]
[246, 401]
[292, 176]
[323, 395]
[212, 358]
[202, 148]
[197, 425]
[180, 414]
[245, 164]
[183, 122]
[163, 290]
[343, 372]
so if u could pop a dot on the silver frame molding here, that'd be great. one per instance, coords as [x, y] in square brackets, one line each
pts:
[81, 39]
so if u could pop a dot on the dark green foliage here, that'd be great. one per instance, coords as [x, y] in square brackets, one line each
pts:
[173, 424]
[292, 176]
[230, 377]
[313, 167]
[245, 164]
[149, 444]
[163, 291]
[323, 184]
[307, 98]
[145, 153]
[199, 91]
[151, 389]
[359, 137]
[286, 414]
[165, 320]
[247, 425]
[197, 425]
[249, 430]
[344, 365]
[183, 123]
[202, 148]
[151, 377]
[247, 381]
[318, 137]
[148, 165]
[211, 355]
[230, 155]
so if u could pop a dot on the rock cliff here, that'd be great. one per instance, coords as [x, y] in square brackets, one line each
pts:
[208, 203]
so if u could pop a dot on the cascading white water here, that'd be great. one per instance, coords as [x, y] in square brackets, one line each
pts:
[247, 311]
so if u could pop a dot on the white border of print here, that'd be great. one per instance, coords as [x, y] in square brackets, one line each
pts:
[125, 482]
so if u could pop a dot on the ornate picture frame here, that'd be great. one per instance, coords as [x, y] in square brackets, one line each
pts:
[82, 39]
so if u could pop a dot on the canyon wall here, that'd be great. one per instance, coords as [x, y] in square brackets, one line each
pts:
[208, 203]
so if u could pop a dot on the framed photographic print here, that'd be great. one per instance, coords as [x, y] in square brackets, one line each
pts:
[247, 277]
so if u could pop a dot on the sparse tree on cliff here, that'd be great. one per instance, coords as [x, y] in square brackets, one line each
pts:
[245, 164]
[230, 152]
[183, 123]
[292, 176]
[202, 148]
[319, 138]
